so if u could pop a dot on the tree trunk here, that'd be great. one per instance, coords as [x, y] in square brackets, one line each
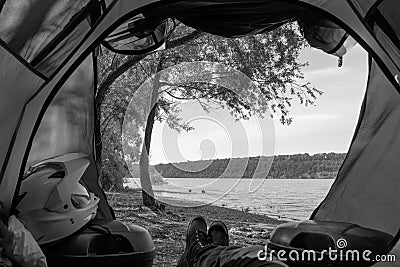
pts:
[145, 181]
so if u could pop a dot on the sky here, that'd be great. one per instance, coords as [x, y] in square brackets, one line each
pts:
[326, 127]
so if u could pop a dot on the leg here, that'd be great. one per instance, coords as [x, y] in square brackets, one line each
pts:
[234, 257]
[197, 242]
[213, 250]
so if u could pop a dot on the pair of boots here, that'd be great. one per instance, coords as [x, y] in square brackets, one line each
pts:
[199, 240]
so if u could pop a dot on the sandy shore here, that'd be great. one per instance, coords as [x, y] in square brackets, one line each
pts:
[168, 227]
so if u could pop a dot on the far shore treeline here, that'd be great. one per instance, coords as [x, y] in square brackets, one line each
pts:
[298, 166]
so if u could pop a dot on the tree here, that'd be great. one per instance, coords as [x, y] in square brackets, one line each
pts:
[115, 83]
[271, 60]
[147, 189]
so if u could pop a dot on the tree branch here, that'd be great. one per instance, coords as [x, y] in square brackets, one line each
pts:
[133, 60]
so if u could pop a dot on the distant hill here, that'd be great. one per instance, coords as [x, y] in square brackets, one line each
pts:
[298, 166]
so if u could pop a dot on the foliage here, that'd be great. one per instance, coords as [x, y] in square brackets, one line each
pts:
[112, 171]
[298, 166]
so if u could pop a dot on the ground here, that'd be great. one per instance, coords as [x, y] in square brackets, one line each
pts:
[168, 227]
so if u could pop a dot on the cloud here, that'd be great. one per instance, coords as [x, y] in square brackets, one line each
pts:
[315, 117]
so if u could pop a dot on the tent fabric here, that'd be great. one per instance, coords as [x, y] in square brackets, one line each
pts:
[129, 39]
[368, 179]
[68, 123]
[239, 18]
[29, 26]
[329, 40]
[352, 16]
[387, 28]
[68, 127]
[17, 84]
[14, 160]
[48, 62]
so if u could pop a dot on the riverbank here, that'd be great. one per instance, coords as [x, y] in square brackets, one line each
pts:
[168, 227]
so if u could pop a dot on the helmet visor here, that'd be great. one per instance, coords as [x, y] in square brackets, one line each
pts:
[80, 201]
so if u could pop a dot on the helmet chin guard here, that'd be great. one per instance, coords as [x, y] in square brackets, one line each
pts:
[54, 204]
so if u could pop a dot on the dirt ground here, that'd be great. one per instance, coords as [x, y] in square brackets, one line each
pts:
[168, 227]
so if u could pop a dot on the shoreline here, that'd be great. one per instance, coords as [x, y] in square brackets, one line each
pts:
[294, 207]
[168, 227]
[184, 203]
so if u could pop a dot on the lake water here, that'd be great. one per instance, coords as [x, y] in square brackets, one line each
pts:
[292, 199]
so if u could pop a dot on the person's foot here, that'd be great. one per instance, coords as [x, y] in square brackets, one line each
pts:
[196, 241]
[218, 233]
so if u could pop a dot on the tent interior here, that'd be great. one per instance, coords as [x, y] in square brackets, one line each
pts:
[48, 60]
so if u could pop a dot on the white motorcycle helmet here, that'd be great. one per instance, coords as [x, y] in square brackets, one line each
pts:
[53, 204]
